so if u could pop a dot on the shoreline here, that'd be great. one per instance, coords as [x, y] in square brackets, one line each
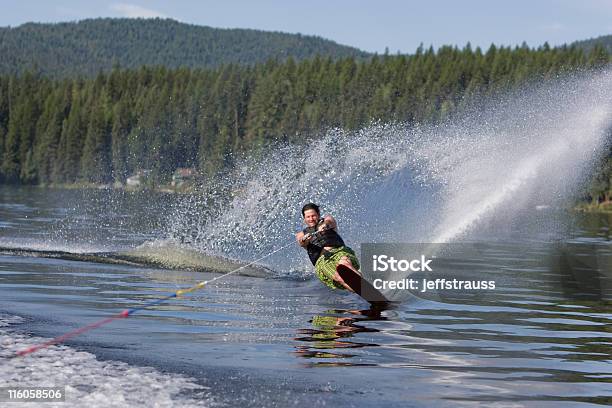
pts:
[164, 188]
[603, 207]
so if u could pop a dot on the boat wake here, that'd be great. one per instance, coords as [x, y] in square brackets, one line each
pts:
[161, 254]
[86, 381]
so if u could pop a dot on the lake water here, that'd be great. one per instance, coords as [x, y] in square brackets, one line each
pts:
[275, 337]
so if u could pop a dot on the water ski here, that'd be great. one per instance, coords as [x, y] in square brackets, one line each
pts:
[361, 286]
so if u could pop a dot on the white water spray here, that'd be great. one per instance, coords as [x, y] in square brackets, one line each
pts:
[397, 183]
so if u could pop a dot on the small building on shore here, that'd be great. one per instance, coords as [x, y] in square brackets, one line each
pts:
[184, 176]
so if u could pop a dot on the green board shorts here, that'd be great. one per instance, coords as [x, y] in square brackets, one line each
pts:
[325, 268]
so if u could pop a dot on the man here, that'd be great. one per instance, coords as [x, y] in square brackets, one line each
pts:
[325, 247]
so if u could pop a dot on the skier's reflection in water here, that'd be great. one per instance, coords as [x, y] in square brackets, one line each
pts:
[331, 332]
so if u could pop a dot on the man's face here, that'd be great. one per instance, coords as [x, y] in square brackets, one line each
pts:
[311, 217]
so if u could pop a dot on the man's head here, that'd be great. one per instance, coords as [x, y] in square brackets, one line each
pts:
[311, 214]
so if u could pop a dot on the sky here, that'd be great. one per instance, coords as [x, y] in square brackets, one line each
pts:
[371, 25]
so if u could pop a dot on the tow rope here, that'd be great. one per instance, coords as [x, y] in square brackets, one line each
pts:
[128, 312]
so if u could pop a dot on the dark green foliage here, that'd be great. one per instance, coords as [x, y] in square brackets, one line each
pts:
[104, 129]
[90, 46]
[603, 41]
[600, 189]
[96, 157]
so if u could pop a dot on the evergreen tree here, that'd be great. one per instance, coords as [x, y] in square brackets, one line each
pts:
[119, 139]
[95, 161]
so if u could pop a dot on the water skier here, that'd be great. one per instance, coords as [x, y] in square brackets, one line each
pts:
[325, 247]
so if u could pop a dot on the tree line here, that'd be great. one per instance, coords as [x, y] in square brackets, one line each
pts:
[103, 129]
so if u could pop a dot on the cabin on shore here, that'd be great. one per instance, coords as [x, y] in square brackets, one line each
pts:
[183, 177]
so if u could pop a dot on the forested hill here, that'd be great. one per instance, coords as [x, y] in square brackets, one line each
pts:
[588, 45]
[104, 129]
[89, 46]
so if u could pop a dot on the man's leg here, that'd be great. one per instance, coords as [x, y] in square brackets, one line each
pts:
[338, 279]
[345, 260]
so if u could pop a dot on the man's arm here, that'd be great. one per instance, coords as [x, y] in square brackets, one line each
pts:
[300, 239]
[328, 222]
